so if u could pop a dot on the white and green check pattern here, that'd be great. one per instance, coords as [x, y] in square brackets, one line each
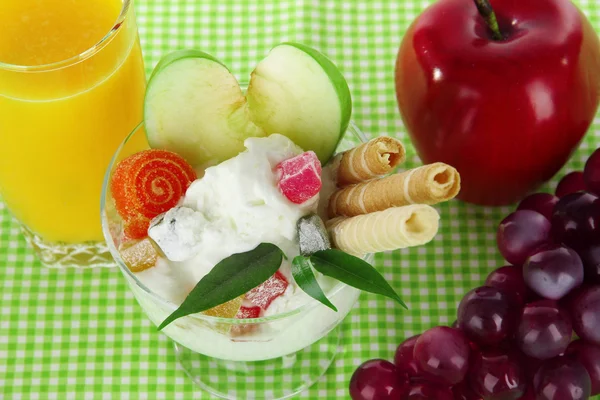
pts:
[79, 334]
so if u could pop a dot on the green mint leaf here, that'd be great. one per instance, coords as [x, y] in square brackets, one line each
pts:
[353, 271]
[230, 278]
[305, 279]
[312, 234]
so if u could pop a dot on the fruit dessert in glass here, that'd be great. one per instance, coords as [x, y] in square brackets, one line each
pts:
[242, 235]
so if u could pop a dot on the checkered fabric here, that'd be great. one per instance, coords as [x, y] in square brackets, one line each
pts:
[79, 334]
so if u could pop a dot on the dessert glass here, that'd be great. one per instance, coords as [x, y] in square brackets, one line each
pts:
[287, 352]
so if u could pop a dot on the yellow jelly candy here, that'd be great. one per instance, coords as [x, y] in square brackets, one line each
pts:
[139, 254]
[226, 310]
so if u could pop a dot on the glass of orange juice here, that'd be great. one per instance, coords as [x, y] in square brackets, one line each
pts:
[71, 88]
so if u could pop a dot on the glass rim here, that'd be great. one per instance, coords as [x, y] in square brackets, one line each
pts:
[94, 49]
[312, 303]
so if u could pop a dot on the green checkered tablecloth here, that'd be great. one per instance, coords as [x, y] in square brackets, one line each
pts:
[79, 334]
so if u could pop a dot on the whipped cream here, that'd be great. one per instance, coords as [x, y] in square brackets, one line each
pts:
[233, 208]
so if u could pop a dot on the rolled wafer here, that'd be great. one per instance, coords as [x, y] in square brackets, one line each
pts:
[391, 229]
[429, 184]
[370, 160]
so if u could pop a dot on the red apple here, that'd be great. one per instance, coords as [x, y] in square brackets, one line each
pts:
[507, 112]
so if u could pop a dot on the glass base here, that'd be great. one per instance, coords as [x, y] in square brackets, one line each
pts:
[274, 379]
[63, 255]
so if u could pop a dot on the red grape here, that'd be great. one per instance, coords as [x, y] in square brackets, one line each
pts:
[553, 271]
[498, 375]
[427, 391]
[406, 364]
[510, 279]
[521, 233]
[562, 378]
[541, 202]
[575, 220]
[444, 353]
[530, 364]
[590, 257]
[585, 311]
[376, 380]
[570, 183]
[591, 172]
[463, 391]
[529, 394]
[487, 315]
[404, 358]
[544, 330]
[589, 356]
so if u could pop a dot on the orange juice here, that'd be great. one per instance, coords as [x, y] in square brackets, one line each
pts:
[71, 88]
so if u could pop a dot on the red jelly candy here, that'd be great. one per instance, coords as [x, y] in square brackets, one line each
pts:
[300, 177]
[147, 184]
[248, 312]
[268, 291]
[244, 313]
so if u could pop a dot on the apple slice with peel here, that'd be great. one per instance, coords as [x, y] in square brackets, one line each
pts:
[195, 107]
[298, 92]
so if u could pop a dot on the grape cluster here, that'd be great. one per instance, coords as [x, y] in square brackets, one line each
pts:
[513, 336]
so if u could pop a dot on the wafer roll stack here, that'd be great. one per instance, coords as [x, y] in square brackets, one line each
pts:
[370, 160]
[429, 184]
[394, 228]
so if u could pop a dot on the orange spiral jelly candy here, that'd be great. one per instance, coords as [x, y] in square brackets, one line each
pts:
[147, 184]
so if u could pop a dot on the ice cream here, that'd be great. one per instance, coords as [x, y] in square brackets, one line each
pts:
[233, 208]
[270, 193]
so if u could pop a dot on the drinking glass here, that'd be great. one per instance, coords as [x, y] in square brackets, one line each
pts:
[61, 119]
[238, 358]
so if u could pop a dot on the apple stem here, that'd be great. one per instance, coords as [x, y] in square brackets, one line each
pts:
[487, 12]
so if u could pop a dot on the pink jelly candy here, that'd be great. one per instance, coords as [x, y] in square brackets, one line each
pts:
[268, 291]
[300, 177]
[244, 313]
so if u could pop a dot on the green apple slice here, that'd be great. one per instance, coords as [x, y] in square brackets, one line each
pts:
[195, 107]
[298, 92]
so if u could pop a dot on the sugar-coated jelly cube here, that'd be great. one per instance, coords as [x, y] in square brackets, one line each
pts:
[226, 310]
[312, 234]
[139, 255]
[178, 233]
[300, 177]
[264, 294]
[244, 313]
